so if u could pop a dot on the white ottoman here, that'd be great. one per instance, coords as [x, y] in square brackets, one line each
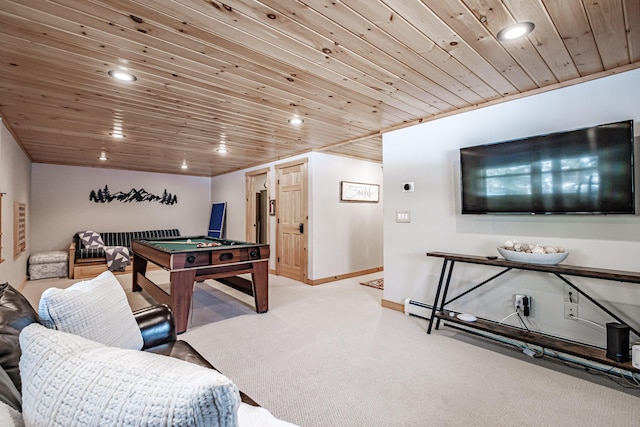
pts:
[44, 265]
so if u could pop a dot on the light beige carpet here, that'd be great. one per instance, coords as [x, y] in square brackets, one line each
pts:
[330, 355]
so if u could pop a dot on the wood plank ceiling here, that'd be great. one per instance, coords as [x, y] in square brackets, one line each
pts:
[233, 74]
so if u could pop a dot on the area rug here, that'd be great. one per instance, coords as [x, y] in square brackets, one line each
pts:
[212, 305]
[378, 283]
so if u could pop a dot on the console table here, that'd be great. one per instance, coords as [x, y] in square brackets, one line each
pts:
[569, 347]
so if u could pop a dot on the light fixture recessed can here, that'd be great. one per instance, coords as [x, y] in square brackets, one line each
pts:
[103, 156]
[122, 76]
[296, 121]
[515, 31]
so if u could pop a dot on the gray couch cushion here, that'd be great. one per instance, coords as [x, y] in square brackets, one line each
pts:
[9, 394]
[15, 314]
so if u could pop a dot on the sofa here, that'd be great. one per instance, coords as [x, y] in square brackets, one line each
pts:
[86, 261]
[19, 319]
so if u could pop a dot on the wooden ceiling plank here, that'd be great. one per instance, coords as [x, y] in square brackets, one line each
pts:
[272, 44]
[91, 110]
[283, 105]
[346, 28]
[495, 17]
[457, 16]
[607, 22]
[194, 95]
[632, 21]
[544, 38]
[570, 19]
[134, 35]
[434, 41]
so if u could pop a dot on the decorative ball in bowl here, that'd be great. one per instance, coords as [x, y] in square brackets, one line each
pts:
[532, 254]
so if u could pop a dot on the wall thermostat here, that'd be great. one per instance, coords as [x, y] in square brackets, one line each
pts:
[407, 187]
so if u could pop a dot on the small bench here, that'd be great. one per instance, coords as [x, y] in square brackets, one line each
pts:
[45, 265]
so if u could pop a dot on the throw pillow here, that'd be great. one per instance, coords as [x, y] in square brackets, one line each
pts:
[70, 381]
[91, 239]
[95, 309]
[117, 257]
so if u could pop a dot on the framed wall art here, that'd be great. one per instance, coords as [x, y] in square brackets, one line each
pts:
[359, 192]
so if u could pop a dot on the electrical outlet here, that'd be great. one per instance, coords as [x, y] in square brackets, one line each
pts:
[570, 294]
[523, 303]
[571, 311]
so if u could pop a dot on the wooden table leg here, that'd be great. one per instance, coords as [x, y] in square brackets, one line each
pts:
[139, 266]
[181, 296]
[260, 280]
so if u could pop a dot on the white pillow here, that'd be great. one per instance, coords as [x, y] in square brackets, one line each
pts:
[95, 309]
[70, 381]
[9, 417]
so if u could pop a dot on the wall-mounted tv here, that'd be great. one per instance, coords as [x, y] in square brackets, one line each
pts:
[584, 171]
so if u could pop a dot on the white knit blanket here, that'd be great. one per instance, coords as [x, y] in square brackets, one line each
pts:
[71, 381]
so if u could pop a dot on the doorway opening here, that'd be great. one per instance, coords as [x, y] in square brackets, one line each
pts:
[257, 198]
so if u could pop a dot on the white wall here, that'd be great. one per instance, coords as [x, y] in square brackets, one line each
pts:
[61, 206]
[429, 155]
[15, 181]
[347, 236]
[343, 237]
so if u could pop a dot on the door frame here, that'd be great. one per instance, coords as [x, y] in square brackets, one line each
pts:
[250, 218]
[304, 209]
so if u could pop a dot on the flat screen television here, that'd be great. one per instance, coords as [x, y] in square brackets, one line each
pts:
[584, 171]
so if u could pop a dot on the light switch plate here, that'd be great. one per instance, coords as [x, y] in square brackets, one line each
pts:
[403, 216]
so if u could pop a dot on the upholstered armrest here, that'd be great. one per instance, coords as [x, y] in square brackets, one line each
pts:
[156, 325]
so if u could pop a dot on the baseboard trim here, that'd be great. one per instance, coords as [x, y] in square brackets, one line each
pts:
[21, 286]
[392, 305]
[342, 276]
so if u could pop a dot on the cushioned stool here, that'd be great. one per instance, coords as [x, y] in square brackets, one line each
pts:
[43, 265]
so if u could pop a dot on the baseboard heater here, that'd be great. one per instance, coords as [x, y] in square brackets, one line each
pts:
[420, 309]
[417, 308]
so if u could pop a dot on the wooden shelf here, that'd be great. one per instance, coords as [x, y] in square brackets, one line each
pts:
[569, 270]
[584, 351]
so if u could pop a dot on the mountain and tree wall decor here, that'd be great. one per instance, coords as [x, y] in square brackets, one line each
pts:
[104, 195]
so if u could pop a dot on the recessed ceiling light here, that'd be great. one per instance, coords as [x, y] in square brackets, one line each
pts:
[516, 31]
[296, 121]
[122, 76]
[117, 134]
[103, 156]
[222, 149]
[184, 165]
